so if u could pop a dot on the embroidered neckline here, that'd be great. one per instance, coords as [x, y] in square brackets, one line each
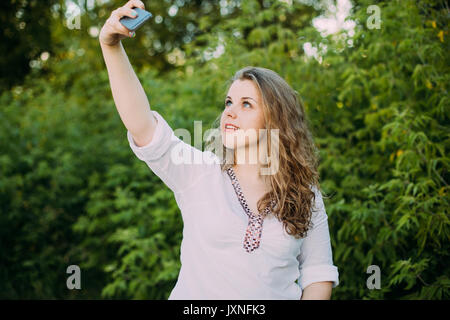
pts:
[241, 197]
[253, 233]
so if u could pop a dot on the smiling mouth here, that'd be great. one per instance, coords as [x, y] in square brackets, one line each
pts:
[230, 128]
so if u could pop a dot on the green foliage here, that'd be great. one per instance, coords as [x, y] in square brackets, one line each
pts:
[72, 192]
[26, 33]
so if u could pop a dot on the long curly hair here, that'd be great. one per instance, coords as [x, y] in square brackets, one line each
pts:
[293, 183]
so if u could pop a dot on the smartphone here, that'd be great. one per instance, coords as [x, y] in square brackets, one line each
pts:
[134, 23]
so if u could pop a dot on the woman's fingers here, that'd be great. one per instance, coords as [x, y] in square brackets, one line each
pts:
[135, 3]
[115, 19]
[124, 11]
[113, 30]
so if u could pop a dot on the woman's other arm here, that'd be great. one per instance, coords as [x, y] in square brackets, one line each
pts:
[318, 291]
[318, 274]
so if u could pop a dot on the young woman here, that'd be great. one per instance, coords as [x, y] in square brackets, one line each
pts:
[252, 230]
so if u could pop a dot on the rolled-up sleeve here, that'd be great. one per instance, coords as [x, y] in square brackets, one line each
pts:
[315, 258]
[175, 162]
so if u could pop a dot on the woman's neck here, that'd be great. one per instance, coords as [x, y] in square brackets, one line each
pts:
[251, 174]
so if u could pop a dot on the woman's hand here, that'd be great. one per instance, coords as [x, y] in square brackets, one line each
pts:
[113, 31]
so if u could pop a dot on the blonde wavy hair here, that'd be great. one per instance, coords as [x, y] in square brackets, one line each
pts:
[291, 185]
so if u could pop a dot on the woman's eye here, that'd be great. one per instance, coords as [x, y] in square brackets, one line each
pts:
[245, 102]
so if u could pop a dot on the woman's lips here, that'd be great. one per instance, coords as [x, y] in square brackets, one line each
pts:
[230, 130]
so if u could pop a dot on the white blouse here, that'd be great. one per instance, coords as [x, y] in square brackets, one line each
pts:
[214, 263]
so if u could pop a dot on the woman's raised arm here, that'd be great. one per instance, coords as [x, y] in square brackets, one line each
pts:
[129, 96]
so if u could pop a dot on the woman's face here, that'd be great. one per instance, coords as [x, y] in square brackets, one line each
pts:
[242, 108]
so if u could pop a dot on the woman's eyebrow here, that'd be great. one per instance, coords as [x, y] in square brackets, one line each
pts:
[244, 98]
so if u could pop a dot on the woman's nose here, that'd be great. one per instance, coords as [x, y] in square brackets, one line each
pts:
[230, 111]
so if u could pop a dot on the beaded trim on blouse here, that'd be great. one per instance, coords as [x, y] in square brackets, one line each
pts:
[253, 233]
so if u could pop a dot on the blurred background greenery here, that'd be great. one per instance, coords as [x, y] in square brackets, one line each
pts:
[72, 191]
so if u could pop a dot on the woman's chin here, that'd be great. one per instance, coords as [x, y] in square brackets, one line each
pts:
[228, 140]
[229, 145]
